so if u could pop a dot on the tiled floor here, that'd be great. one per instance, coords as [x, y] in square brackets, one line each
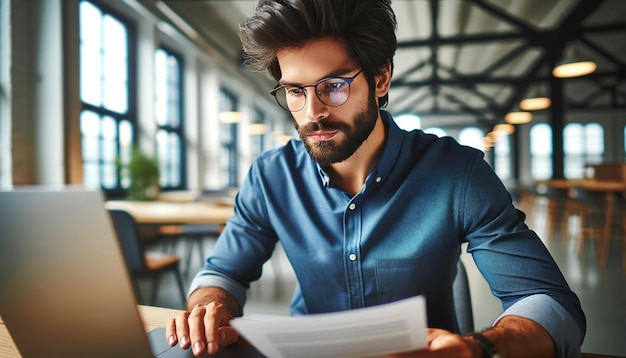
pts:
[602, 290]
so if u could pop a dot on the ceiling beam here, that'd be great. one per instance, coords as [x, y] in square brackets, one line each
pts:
[524, 26]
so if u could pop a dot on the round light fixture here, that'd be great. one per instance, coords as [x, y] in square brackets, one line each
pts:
[574, 69]
[535, 104]
[518, 117]
[504, 129]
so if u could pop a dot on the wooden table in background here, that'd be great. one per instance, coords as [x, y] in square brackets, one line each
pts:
[160, 212]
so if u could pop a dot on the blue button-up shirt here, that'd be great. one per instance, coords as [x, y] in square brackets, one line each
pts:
[400, 236]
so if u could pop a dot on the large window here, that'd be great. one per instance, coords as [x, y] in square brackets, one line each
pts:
[472, 137]
[258, 128]
[541, 151]
[106, 123]
[438, 131]
[228, 136]
[582, 145]
[502, 157]
[168, 114]
[408, 122]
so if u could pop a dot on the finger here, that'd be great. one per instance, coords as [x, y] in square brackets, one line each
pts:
[182, 329]
[216, 316]
[196, 329]
[170, 332]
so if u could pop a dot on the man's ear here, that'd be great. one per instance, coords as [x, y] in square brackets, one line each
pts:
[383, 81]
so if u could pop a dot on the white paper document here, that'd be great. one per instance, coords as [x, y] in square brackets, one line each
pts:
[368, 332]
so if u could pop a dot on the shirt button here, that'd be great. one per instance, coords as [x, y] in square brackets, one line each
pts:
[379, 179]
[352, 206]
[352, 257]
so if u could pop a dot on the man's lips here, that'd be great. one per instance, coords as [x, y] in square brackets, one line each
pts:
[322, 136]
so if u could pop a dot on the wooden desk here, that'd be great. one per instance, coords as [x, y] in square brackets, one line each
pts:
[159, 212]
[153, 317]
[589, 184]
[178, 196]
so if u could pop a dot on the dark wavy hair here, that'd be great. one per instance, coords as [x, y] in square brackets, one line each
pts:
[366, 27]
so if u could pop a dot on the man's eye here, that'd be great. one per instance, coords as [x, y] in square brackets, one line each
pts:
[294, 91]
[334, 85]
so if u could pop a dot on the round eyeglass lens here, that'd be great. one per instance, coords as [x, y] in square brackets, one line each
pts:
[291, 98]
[333, 92]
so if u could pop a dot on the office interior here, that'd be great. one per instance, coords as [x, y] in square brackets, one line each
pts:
[84, 84]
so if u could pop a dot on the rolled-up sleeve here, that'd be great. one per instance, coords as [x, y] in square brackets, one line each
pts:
[561, 326]
[209, 278]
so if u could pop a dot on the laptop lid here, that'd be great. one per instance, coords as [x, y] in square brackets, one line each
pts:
[64, 288]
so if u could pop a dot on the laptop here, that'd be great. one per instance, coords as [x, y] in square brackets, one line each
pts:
[64, 287]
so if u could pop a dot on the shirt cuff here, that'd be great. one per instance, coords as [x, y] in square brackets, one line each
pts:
[548, 313]
[208, 278]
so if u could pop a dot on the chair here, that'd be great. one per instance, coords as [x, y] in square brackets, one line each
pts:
[615, 223]
[589, 207]
[195, 234]
[557, 198]
[139, 263]
[463, 300]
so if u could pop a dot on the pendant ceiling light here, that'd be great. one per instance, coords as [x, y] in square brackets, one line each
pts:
[520, 117]
[573, 65]
[504, 129]
[535, 103]
[229, 117]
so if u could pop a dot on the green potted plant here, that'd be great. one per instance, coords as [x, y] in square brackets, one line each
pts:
[143, 172]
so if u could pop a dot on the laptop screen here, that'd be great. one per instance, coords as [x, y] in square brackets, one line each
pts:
[65, 288]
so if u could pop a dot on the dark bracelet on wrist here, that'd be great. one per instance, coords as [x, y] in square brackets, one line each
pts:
[489, 350]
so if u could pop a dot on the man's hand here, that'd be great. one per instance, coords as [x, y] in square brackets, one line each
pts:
[442, 343]
[205, 326]
[512, 336]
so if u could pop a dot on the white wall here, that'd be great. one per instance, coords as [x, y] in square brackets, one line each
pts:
[49, 139]
[6, 177]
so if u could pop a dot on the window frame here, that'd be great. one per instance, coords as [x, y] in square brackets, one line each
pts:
[548, 157]
[577, 162]
[178, 131]
[228, 102]
[131, 111]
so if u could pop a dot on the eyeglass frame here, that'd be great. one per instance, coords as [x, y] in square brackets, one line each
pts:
[348, 80]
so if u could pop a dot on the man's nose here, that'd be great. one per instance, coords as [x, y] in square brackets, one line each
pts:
[316, 110]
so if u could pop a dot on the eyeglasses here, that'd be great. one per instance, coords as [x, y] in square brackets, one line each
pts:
[332, 91]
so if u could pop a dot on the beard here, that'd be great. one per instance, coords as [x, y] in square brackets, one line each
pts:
[329, 152]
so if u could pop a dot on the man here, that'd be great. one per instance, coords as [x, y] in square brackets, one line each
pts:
[368, 213]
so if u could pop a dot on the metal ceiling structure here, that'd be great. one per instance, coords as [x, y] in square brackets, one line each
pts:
[466, 62]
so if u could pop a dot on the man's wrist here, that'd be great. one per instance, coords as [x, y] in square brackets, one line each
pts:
[487, 347]
[207, 295]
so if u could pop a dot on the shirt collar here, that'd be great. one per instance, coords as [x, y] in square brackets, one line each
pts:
[393, 142]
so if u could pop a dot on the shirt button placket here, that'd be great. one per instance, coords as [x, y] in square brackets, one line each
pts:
[352, 256]
[355, 285]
